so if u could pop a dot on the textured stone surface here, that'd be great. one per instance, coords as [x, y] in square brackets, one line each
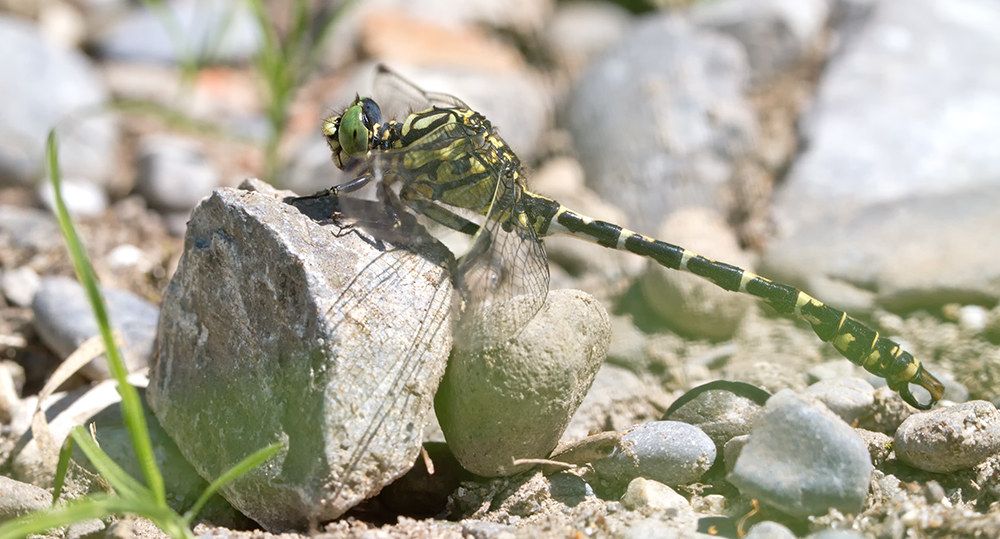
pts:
[276, 330]
[659, 120]
[670, 452]
[45, 86]
[916, 64]
[876, 251]
[64, 320]
[514, 401]
[803, 460]
[949, 439]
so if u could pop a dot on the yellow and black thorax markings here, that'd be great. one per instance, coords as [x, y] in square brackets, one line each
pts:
[453, 156]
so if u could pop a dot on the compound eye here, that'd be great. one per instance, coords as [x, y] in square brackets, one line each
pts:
[357, 126]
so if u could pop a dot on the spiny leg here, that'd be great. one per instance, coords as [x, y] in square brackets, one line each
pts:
[854, 340]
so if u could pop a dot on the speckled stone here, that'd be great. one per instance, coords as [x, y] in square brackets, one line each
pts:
[803, 459]
[949, 439]
[670, 452]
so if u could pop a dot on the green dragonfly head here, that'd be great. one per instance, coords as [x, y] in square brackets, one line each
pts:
[351, 133]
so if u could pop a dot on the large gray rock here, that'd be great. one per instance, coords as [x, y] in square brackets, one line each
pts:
[902, 111]
[276, 330]
[515, 400]
[659, 121]
[956, 260]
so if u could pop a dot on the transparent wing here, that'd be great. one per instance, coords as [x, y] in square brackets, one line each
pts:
[504, 278]
[399, 97]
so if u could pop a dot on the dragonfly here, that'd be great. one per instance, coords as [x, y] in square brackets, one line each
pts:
[447, 162]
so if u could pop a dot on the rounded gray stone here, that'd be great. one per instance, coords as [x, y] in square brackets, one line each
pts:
[689, 304]
[64, 320]
[579, 32]
[274, 329]
[847, 397]
[678, 122]
[720, 414]
[19, 285]
[648, 497]
[29, 228]
[769, 530]
[894, 72]
[670, 452]
[172, 174]
[514, 401]
[949, 439]
[803, 460]
[18, 499]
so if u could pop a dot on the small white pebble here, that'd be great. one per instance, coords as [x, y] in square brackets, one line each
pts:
[973, 318]
[125, 256]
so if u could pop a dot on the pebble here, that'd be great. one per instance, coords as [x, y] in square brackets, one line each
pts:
[477, 529]
[949, 439]
[900, 68]
[847, 397]
[670, 452]
[43, 86]
[579, 32]
[29, 228]
[721, 413]
[679, 122]
[731, 451]
[769, 530]
[515, 401]
[837, 368]
[803, 460]
[973, 318]
[18, 499]
[64, 320]
[691, 305]
[223, 31]
[273, 328]
[20, 285]
[126, 256]
[172, 174]
[82, 198]
[652, 497]
[879, 445]
[776, 33]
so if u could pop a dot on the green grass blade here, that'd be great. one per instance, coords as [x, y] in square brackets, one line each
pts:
[241, 467]
[126, 485]
[98, 506]
[65, 453]
[91, 507]
[132, 412]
